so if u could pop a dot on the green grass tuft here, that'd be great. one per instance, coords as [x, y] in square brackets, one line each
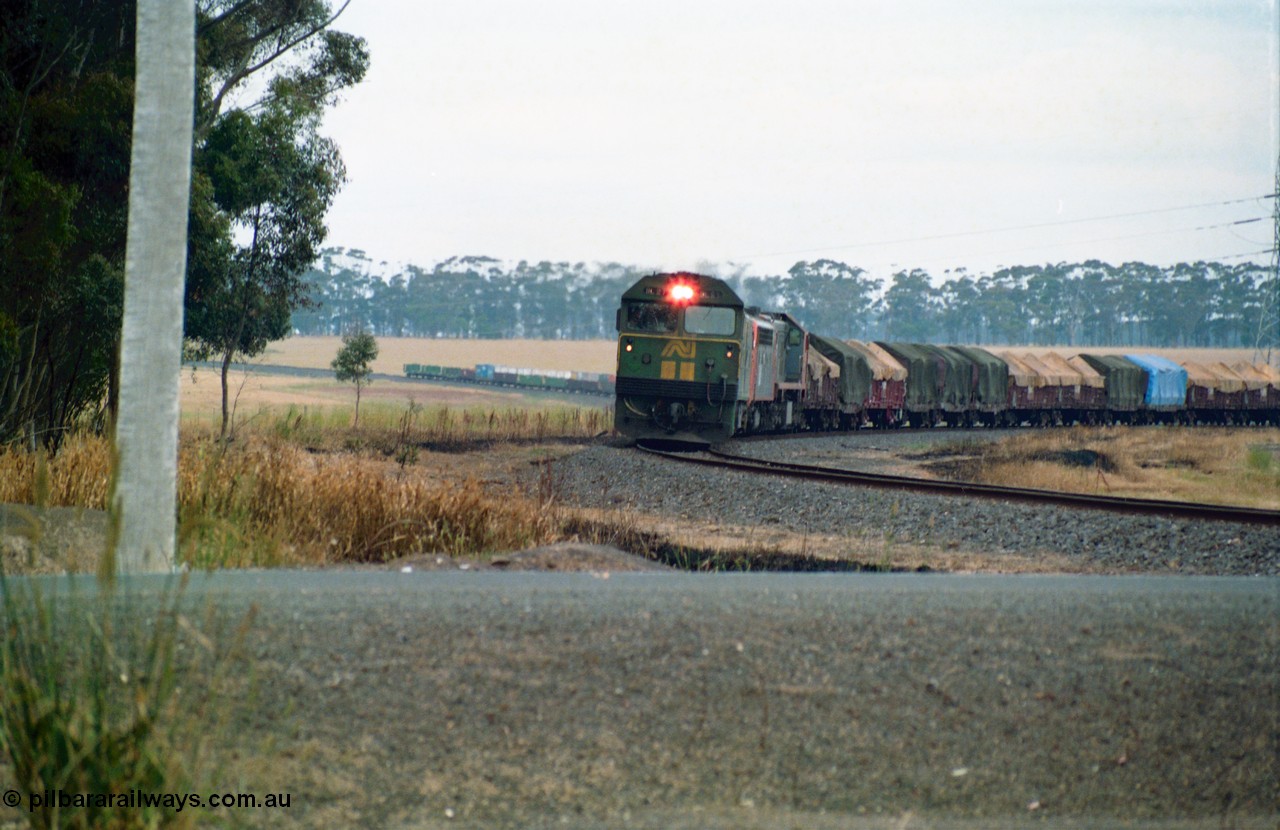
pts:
[104, 692]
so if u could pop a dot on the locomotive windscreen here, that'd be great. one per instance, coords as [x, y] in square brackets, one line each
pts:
[714, 320]
[650, 317]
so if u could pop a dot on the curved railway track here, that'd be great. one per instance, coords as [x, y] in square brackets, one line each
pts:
[1156, 507]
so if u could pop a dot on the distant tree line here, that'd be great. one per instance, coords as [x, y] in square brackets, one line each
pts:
[1205, 304]
[465, 297]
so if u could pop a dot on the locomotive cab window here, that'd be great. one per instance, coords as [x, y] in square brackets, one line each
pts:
[654, 317]
[715, 320]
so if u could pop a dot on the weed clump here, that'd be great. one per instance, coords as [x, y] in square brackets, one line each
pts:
[99, 699]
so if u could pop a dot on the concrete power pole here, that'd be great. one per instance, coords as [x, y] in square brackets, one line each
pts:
[1268, 337]
[1271, 316]
[145, 502]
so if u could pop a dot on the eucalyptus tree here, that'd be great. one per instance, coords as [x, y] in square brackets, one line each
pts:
[1004, 309]
[909, 308]
[1248, 287]
[1041, 296]
[1140, 290]
[273, 177]
[1182, 306]
[960, 317]
[241, 39]
[830, 296]
[1100, 309]
[66, 103]
[354, 363]
[66, 108]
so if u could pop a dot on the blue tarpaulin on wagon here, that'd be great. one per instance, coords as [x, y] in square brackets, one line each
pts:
[1166, 380]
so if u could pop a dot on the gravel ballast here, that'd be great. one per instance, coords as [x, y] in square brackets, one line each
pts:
[619, 477]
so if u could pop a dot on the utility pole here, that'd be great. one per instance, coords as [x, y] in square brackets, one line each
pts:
[155, 267]
[1272, 316]
[1268, 338]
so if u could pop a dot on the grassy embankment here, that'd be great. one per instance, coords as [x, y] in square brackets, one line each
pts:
[1212, 466]
[302, 488]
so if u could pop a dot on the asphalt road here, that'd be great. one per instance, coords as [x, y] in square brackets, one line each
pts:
[445, 699]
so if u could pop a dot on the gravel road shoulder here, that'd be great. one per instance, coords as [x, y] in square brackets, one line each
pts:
[434, 700]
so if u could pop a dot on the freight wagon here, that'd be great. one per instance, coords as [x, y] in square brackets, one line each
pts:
[488, 374]
[696, 365]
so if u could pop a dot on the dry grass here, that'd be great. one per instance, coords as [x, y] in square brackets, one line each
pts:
[395, 427]
[298, 486]
[268, 500]
[273, 500]
[1211, 466]
[78, 476]
[264, 501]
[111, 693]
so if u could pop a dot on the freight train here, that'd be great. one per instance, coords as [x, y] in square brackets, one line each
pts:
[695, 365]
[487, 374]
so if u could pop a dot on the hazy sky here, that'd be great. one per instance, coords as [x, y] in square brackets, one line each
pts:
[887, 135]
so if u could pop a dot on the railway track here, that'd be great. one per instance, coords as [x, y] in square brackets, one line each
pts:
[1155, 507]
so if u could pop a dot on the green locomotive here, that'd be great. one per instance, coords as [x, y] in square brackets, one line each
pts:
[695, 366]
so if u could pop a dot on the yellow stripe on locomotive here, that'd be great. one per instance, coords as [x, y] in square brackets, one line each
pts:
[679, 373]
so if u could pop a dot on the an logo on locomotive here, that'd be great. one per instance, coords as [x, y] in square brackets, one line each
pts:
[684, 349]
[682, 369]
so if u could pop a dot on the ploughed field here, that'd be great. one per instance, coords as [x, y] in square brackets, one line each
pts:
[766, 520]
[394, 352]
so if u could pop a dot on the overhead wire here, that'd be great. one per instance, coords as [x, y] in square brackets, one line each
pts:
[1242, 256]
[1014, 228]
[1121, 237]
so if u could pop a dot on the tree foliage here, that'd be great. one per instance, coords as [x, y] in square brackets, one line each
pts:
[354, 363]
[66, 99]
[265, 176]
[65, 121]
[240, 38]
[271, 178]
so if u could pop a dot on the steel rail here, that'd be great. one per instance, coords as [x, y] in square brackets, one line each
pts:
[1155, 507]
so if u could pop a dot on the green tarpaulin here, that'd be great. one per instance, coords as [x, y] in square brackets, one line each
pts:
[991, 390]
[933, 381]
[855, 370]
[1126, 381]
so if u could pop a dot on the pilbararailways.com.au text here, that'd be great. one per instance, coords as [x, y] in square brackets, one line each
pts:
[140, 800]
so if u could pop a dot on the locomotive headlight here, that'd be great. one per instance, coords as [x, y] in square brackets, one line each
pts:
[680, 292]
[728, 354]
[628, 346]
